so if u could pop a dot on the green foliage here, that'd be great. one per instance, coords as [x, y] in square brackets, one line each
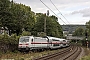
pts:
[21, 58]
[39, 25]
[88, 28]
[26, 33]
[4, 12]
[53, 28]
[85, 58]
[9, 39]
[16, 17]
[87, 31]
[79, 32]
[14, 39]
[20, 19]
[41, 34]
[23, 17]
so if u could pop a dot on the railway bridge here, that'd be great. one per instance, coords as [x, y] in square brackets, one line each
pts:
[75, 38]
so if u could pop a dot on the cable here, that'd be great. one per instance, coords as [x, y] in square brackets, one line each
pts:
[52, 11]
[59, 11]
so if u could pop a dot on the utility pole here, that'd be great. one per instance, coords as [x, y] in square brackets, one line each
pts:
[45, 22]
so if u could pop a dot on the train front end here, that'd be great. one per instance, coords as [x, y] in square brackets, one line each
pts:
[24, 43]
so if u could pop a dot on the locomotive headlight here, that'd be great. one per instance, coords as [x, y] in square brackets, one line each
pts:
[19, 46]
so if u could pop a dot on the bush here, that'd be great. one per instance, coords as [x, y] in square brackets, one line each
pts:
[26, 33]
[21, 58]
[8, 43]
[14, 39]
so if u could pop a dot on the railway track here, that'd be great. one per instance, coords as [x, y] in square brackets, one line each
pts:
[70, 53]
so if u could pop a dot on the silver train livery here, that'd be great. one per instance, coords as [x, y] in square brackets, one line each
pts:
[35, 43]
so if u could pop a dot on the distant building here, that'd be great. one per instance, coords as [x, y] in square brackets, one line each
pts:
[69, 29]
[4, 30]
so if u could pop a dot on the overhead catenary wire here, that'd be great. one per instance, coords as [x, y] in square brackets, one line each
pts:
[59, 11]
[52, 11]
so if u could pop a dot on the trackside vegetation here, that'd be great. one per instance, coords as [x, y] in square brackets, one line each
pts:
[19, 17]
[22, 21]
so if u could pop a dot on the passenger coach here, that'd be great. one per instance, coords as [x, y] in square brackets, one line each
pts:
[27, 43]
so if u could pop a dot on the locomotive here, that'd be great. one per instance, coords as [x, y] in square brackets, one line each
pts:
[27, 43]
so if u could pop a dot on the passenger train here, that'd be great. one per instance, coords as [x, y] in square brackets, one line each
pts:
[27, 43]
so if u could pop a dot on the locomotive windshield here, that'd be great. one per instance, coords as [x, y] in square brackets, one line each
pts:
[24, 39]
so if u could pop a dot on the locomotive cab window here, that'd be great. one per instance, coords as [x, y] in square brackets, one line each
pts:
[24, 39]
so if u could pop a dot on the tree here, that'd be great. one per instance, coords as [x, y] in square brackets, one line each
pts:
[79, 32]
[53, 28]
[88, 28]
[5, 15]
[16, 17]
[22, 18]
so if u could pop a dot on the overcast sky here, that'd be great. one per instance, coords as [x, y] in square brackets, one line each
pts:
[75, 11]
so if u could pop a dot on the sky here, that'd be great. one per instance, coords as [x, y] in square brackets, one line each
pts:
[75, 11]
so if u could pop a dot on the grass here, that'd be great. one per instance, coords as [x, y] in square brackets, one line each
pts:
[27, 56]
[86, 57]
[87, 54]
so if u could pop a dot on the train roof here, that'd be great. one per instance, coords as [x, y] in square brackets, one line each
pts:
[25, 36]
[56, 38]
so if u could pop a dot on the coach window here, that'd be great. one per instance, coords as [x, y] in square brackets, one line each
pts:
[64, 40]
[55, 44]
[55, 40]
[32, 40]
